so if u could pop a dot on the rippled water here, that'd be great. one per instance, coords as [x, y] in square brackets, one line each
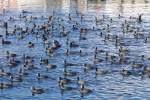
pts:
[112, 85]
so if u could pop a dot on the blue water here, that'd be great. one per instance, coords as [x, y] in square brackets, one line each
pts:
[112, 85]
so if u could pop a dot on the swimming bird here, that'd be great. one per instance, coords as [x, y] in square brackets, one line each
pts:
[23, 11]
[105, 30]
[111, 20]
[74, 45]
[4, 24]
[42, 76]
[70, 16]
[31, 30]
[68, 52]
[50, 66]
[11, 19]
[105, 17]
[33, 17]
[38, 35]
[80, 81]
[125, 72]
[43, 61]
[136, 65]
[29, 60]
[69, 73]
[70, 20]
[27, 21]
[121, 53]
[127, 21]
[10, 54]
[106, 39]
[118, 38]
[83, 53]
[54, 28]
[61, 34]
[30, 44]
[78, 13]
[124, 58]
[81, 37]
[121, 49]
[68, 41]
[64, 31]
[5, 42]
[109, 56]
[30, 67]
[52, 53]
[145, 68]
[95, 29]
[37, 91]
[5, 85]
[22, 16]
[74, 27]
[44, 26]
[97, 51]
[68, 64]
[34, 25]
[145, 58]
[26, 32]
[96, 19]
[98, 23]
[16, 79]
[100, 72]
[59, 26]
[20, 36]
[58, 19]
[145, 75]
[56, 44]
[10, 33]
[63, 80]
[119, 43]
[64, 87]
[138, 35]
[147, 40]
[5, 73]
[5, 11]
[54, 13]
[140, 30]
[14, 61]
[17, 28]
[21, 73]
[97, 59]
[83, 30]
[109, 27]
[110, 36]
[139, 19]
[87, 67]
[77, 24]
[84, 91]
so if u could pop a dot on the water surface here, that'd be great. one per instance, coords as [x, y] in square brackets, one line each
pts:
[112, 85]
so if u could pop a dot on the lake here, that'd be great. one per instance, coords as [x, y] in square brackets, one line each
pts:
[119, 29]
